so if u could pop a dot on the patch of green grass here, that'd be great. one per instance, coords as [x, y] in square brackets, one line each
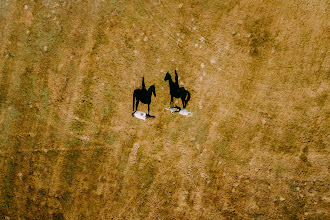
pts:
[85, 109]
[97, 157]
[222, 149]
[202, 133]
[44, 110]
[8, 189]
[78, 126]
[70, 166]
[111, 139]
[99, 36]
[121, 166]
[279, 169]
[11, 114]
[157, 149]
[45, 91]
[71, 160]
[146, 175]
[28, 85]
[86, 106]
[4, 82]
[107, 112]
[67, 198]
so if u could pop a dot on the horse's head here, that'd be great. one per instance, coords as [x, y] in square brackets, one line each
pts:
[152, 90]
[167, 77]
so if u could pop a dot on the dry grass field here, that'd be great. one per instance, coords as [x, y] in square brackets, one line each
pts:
[256, 147]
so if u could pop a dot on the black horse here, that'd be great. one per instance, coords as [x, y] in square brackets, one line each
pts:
[143, 95]
[176, 91]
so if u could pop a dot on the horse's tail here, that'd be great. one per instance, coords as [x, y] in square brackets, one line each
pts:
[134, 94]
[188, 94]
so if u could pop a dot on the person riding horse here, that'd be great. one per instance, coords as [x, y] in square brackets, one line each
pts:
[144, 96]
[176, 83]
[143, 85]
[176, 91]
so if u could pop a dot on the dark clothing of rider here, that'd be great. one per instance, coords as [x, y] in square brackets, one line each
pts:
[176, 80]
[144, 90]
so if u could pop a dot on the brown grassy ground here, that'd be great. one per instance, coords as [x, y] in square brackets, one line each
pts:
[257, 146]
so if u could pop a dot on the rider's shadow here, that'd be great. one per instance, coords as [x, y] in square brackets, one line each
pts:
[176, 91]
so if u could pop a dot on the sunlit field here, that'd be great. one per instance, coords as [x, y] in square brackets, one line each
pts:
[256, 146]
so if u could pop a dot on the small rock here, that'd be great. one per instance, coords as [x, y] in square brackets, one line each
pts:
[203, 175]
[282, 199]
[20, 175]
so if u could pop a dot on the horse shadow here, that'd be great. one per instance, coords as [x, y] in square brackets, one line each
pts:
[176, 91]
[143, 95]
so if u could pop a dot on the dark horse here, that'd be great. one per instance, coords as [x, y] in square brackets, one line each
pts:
[143, 95]
[176, 91]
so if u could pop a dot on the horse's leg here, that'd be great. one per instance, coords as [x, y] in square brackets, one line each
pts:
[171, 100]
[148, 108]
[183, 101]
[137, 104]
